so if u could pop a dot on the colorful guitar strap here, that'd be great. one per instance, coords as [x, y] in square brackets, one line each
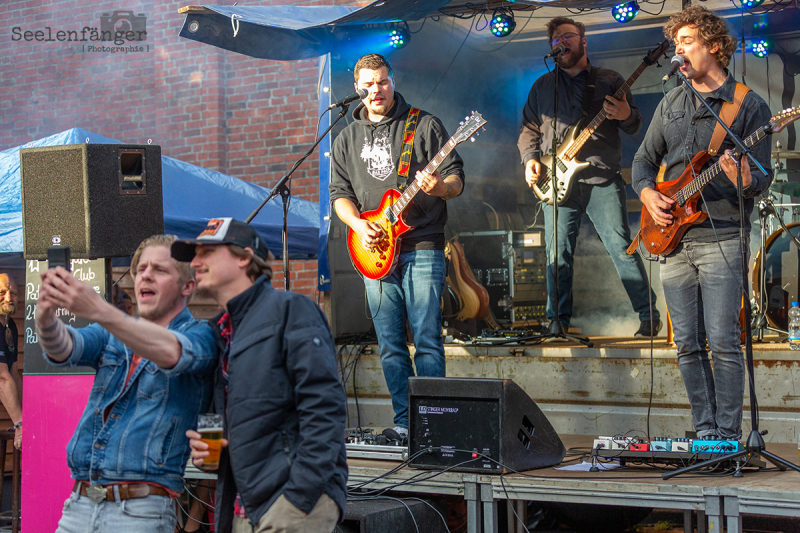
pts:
[408, 142]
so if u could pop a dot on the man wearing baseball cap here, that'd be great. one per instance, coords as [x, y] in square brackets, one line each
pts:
[284, 467]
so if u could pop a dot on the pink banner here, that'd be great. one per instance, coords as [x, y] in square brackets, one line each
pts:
[52, 407]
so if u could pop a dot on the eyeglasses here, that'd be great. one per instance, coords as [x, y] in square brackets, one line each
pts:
[564, 37]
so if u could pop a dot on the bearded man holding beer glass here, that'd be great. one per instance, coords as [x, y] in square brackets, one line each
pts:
[283, 467]
[154, 376]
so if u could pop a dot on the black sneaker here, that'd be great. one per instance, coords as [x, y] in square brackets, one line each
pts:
[645, 328]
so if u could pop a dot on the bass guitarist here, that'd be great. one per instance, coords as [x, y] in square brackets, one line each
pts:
[702, 276]
[599, 190]
[385, 147]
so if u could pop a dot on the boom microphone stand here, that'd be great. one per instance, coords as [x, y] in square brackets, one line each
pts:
[282, 188]
[755, 446]
[555, 329]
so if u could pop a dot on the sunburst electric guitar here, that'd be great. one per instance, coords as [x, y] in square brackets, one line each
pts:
[379, 262]
[567, 152]
[685, 190]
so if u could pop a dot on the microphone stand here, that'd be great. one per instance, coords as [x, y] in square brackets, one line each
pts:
[755, 446]
[282, 188]
[556, 330]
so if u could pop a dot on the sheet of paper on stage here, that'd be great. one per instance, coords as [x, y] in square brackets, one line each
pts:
[584, 466]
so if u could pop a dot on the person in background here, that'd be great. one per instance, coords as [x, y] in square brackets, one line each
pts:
[10, 379]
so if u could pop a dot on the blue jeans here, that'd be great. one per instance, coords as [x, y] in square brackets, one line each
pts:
[606, 206]
[154, 514]
[704, 299]
[413, 291]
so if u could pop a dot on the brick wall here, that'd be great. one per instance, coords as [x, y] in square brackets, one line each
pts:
[249, 118]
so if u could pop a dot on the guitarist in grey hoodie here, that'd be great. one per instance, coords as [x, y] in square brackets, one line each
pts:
[370, 156]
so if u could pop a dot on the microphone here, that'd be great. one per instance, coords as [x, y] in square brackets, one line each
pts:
[674, 65]
[557, 51]
[362, 93]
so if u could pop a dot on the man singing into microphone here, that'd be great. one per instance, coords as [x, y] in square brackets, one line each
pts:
[598, 190]
[367, 161]
[702, 277]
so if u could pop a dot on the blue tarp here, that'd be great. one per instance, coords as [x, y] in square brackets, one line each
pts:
[191, 194]
[294, 32]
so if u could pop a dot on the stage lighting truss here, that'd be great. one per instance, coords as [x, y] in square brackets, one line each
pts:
[760, 48]
[625, 12]
[502, 23]
[399, 37]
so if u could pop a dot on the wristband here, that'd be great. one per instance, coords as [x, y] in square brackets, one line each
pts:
[17, 425]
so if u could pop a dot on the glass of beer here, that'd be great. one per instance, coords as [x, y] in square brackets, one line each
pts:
[210, 428]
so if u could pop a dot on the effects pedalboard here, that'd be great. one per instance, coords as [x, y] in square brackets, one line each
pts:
[364, 443]
[665, 450]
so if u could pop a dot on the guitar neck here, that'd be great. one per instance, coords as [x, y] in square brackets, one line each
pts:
[714, 170]
[408, 195]
[601, 116]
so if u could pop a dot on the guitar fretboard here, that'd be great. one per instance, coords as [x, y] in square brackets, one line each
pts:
[601, 116]
[683, 195]
[399, 206]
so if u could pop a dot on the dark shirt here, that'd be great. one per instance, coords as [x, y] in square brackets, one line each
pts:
[8, 343]
[680, 130]
[604, 148]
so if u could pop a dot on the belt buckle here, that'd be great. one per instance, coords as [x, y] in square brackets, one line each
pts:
[96, 493]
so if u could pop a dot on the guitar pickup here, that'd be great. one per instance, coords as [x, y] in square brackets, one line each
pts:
[389, 214]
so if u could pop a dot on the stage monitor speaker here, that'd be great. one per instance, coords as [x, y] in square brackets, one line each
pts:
[493, 418]
[101, 200]
[348, 294]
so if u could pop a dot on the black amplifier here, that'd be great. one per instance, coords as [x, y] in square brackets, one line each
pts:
[478, 425]
[512, 266]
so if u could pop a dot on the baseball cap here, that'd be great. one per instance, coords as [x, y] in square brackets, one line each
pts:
[222, 231]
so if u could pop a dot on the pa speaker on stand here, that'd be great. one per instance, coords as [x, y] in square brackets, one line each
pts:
[101, 200]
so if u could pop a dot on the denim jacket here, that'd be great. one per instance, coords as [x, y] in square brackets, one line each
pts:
[144, 435]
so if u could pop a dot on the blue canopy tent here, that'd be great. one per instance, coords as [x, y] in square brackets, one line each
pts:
[191, 194]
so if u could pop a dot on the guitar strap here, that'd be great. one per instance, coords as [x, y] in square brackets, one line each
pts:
[727, 114]
[408, 142]
[588, 93]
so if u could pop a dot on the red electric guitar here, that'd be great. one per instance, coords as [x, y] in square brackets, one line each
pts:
[660, 240]
[379, 262]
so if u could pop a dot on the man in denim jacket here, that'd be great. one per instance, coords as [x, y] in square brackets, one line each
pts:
[154, 376]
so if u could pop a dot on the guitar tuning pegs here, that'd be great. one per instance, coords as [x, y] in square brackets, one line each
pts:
[472, 139]
[461, 123]
[483, 129]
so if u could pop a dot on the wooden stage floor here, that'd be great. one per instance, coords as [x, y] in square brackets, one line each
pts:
[718, 500]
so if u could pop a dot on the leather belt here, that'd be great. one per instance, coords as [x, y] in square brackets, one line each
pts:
[127, 491]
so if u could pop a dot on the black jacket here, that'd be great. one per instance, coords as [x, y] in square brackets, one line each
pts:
[364, 167]
[285, 414]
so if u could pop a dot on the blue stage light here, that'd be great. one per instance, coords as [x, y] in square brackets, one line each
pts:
[625, 12]
[748, 4]
[760, 48]
[502, 23]
[398, 38]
